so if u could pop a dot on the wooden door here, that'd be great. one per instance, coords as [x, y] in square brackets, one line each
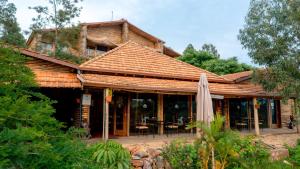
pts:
[120, 115]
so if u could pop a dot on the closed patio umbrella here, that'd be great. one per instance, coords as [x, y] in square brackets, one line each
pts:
[204, 102]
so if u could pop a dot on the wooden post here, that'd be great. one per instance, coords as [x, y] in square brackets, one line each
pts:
[296, 114]
[125, 32]
[269, 108]
[226, 111]
[105, 115]
[256, 120]
[160, 112]
[190, 108]
[128, 115]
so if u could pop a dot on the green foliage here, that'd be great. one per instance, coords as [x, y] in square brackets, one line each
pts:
[208, 58]
[271, 35]
[10, 32]
[181, 155]
[295, 154]
[226, 148]
[111, 155]
[225, 66]
[210, 48]
[58, 14]
[62, 55]
[29, 135]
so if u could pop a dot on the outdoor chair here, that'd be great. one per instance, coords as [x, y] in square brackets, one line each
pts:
[171, 127]
[241, 124]
[141, 128]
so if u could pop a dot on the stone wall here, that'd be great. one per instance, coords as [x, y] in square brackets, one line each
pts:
[112, 33]
[287, 108]
[140, 39]
[147, 158]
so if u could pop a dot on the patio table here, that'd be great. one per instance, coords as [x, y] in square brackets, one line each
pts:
[153, 124]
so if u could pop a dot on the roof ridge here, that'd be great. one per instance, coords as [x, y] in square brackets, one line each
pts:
[152, 52]
[238, 72]
[179, 61]
[45, 57]
[104, 54]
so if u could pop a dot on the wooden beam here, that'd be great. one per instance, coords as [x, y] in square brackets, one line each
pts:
[226, 111]
[256, 120]
[269, 109]
[128, 114]
[105, 115]
[160, 112]
[190, 108]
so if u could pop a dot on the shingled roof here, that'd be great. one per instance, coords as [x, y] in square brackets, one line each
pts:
[134, 59]
[240, 76]
[167, 85]
[51, 72]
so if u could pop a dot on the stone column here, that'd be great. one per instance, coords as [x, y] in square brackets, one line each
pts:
[160, 112]
[83, 40]
[256, 120]
[125, 37]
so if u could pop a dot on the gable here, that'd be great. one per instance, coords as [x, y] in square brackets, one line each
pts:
[112, 33]
[50, 72]
[134, 59]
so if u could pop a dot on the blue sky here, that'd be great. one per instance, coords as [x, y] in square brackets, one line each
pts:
[177, 22]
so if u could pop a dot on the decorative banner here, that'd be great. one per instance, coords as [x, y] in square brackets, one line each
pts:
[108, 94]
[86, 99]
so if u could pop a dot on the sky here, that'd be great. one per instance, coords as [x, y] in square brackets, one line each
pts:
[177, 22]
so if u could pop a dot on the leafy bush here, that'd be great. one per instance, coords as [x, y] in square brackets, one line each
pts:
[222, 148]
[181, 155]
[295, 154]
[30, 137]
[111, 155]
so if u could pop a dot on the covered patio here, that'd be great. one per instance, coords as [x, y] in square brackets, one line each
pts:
[135, 91]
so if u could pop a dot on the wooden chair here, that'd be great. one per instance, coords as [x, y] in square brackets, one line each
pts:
[241, 124]
[170, 126]
[141, 128]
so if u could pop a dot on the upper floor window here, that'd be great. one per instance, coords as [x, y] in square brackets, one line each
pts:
[96, 50]
[44, 47]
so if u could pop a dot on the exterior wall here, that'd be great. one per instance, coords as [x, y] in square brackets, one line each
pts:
[33, 44]
[287, 109]
[140, 40]
[113, 33]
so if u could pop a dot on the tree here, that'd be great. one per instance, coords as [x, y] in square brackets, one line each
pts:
[59, 15]
[271, 35]
[10, 32]
[30, 137]
[208, 58]
[211, 49]
[225, 66]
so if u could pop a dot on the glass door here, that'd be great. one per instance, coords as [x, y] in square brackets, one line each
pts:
[119, 110]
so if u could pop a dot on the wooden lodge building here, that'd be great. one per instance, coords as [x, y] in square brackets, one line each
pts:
[132, 77]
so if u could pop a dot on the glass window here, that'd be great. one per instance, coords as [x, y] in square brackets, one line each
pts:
[274, 105]
[263, 112]
[45, 47]
[238, 112]
[176, 108]
[142, 108]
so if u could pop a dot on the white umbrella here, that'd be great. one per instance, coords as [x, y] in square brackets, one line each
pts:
[204, 102]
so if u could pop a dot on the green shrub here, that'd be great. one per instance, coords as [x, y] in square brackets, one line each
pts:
[294, 153]
[111, 155]
[181, 155]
